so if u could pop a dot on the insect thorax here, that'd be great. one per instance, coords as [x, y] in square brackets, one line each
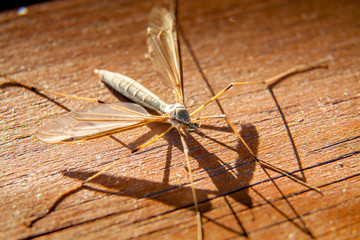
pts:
[178, 114]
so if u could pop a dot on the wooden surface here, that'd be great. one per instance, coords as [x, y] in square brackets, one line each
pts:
[58, 44]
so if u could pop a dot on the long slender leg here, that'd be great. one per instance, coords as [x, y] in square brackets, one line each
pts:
[321, 63]
[221, 93]
[36, 89]
[39, 90]
[198, 213]
[80, 185]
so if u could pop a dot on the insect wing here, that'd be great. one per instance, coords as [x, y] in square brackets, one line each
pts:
[164, 52]
[88, 123]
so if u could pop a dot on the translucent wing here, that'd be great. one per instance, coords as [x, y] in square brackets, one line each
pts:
[164, 52]
[88, 123]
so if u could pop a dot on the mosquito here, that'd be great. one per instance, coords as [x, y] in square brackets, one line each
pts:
[106, 119]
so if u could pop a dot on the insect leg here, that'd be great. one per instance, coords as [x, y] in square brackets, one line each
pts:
[198, 213]
[38, 90]
[80, 185]
[271, 82]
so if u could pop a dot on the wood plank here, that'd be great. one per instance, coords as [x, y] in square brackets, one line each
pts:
[59, 43]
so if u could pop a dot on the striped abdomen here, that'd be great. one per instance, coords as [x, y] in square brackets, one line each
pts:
[132, 90]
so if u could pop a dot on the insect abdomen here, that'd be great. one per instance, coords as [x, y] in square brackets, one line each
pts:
[132, 90]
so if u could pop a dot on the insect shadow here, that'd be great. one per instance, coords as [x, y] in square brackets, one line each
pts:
[222, 176]
[236, 186]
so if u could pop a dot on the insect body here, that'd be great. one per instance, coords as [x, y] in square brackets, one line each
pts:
[109, 118]
[177, 113]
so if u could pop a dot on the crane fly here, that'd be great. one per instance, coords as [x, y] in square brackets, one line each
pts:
[109, 118]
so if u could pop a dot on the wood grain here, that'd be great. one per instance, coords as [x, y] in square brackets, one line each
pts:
[58, 44]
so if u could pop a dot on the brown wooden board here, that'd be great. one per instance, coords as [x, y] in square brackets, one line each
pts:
[57, 44]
